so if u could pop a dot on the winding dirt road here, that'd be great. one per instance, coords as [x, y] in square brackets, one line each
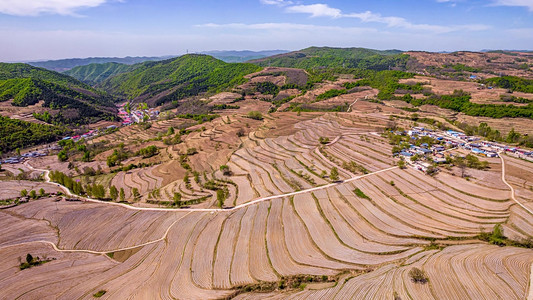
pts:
[500, 154]
[67, 191]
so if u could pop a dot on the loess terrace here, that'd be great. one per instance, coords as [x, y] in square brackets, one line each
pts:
[283, 215]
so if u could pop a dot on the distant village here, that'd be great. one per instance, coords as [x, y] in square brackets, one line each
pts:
[129, 116]
[450, 140]
[139, 115]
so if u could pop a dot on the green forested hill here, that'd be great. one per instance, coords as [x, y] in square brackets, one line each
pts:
[66, 100]
[11, 71]
[94, 74]
[317, 57]
[20, 134]
[178, 78]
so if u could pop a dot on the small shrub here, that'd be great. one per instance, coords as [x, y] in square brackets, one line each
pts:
[225, 170]
[192, 151]
[360, 194]
[256, 115]
[418, 276]
[99, 293]
[334, 174]
[323, 140]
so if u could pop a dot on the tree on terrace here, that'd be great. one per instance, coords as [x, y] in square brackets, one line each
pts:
[334, 174]
[418, 276]
[113, 192]
[177, 199]
[460, 162]
[122, 195]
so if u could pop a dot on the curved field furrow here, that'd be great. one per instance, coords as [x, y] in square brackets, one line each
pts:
[458, 199]
[432, 203]
[225, 250]
[277, 250]
[402, 209]
[260, 266]
[182, 285]
[379, 218]
[16, 230]
[325, 238]
[111, 227]
[204, 251]
[368, 231]
[240, 266]
[51, 280]
[303, 250]
[439, 214]
[348, 155]
[497, 206]
[345, 232]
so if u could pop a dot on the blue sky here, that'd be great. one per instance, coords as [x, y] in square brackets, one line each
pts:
[52, 29]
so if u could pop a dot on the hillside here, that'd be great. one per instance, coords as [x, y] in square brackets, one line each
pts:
[484, 64]
[175, 79]
[62, 99]
[20, 134]
[96, 73]
[67, 64]
[317, 57]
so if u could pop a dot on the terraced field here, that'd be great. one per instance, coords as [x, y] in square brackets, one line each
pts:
[284, 218]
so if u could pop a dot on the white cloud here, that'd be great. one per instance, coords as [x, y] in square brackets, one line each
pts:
[316, 10]
[521, 3]
[277, 2]
[37, 7]
[324, 10]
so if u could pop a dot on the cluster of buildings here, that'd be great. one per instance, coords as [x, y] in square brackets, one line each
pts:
[448, 140]
[87, 135]
[18, 159]
[136, 116]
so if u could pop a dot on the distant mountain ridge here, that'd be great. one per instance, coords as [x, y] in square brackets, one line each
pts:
[232, 56]
[62, 65]
[328, 57]
[95, 74]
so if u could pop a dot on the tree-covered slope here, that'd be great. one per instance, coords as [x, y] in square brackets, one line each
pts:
[20, 134]
[317, 57]
[65, 99]
[10, 71]
[94, 74]
[512, 83]
[178, 78]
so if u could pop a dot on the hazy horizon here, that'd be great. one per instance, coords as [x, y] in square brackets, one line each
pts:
[60, 29]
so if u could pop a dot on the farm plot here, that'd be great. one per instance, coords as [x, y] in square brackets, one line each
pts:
[366, 234]
[11, 188]
[457, 272]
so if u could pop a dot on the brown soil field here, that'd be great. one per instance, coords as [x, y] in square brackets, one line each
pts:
[493, 62]
[358, 238]
[479, 94]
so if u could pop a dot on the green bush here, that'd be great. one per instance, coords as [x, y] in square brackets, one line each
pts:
[359, 193]
[256, 115]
